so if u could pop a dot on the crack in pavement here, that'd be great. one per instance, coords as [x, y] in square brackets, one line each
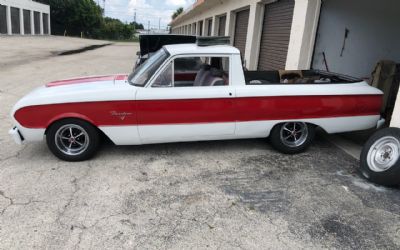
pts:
[13, 203]
[16, 155]
[76, 188]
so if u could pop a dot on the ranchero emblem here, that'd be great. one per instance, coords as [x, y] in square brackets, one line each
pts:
[120, 115]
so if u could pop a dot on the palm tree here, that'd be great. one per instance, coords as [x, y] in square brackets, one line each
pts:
[177, 13]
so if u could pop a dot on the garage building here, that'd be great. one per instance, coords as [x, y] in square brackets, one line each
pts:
[24, 17]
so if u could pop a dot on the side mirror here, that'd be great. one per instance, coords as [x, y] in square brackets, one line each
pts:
[138, 53]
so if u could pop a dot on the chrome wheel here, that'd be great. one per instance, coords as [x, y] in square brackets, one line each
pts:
[383, 154]
[294, 134]
[71, 139]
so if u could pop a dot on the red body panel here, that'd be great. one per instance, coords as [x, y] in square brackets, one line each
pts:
[159, 112]
[299, 107]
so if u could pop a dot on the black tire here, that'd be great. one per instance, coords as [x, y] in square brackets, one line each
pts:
[371, 169]
[81, 147]
[280, 144]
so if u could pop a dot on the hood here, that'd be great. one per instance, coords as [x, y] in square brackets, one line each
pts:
[152, 43]
[85, 89]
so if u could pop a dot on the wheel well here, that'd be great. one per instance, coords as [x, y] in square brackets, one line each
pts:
[101, 133]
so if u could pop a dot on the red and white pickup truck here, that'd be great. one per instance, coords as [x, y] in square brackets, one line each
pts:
[188, 92]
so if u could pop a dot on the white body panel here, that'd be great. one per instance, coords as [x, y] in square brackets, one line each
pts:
[359, 88]
[122, 135]
[186, 132]
[85, 92]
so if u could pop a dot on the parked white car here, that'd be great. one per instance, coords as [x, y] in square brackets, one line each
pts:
[158, 103]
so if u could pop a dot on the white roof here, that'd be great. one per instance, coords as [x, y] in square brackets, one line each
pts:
[178, 49]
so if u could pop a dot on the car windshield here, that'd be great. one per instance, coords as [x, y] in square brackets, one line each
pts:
[142, 74]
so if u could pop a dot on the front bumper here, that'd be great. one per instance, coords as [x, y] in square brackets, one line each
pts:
[16, 135]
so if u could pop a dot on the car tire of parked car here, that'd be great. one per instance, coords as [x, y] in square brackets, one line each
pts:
[73, 139]
[292, 137]
[380, 157]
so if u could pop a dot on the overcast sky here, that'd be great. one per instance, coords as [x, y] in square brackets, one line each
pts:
[146, 10]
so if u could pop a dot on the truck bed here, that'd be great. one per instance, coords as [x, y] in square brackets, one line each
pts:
[296, 77]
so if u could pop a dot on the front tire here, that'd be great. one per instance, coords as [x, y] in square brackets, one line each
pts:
[380, 157]
[72, 140]
[292, 137]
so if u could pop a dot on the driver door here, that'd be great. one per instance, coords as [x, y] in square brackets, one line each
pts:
[169, 112]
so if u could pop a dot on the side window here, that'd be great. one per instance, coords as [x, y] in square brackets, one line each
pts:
[201, 71]
[187, 64]
[164, 79]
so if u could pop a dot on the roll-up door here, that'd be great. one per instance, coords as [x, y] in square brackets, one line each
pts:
[275, 35]
[221, 26]
[45, 23]
[3, 19]
[27, 22]
[36, 17]
[242, 21]
[209, 27]
[194, 29]
[15, 21]
[200, 28]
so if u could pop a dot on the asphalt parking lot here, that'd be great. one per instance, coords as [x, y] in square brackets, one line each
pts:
[216, 195]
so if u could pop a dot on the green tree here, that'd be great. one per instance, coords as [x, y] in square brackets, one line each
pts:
[138, 26]
[114, 29]
[177, 12]
[76, 17]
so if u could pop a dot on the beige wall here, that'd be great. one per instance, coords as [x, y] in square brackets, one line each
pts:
[302, 36]
[396, 113]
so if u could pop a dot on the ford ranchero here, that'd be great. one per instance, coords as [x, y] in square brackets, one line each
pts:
[212, 100]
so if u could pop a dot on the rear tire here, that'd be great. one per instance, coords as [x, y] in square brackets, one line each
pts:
[380, 157]
[73, 140]
[292, 137]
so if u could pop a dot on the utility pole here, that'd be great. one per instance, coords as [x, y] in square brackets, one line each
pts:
[134, 17]
[104, 7]
[159, 23]
[148, 27]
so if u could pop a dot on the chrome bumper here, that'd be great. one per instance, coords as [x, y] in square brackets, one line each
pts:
[16, 135]
[380, 123]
